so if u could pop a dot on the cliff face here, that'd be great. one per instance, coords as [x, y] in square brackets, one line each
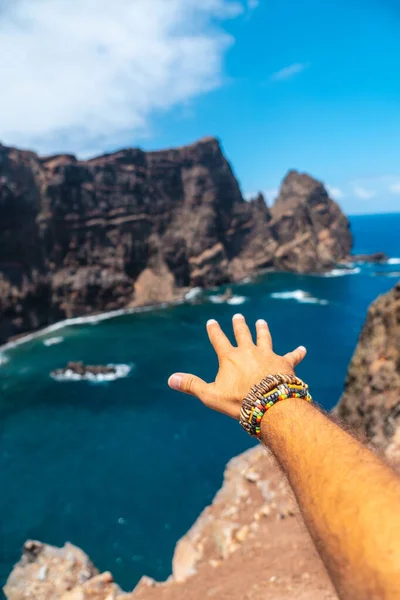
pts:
[134, 227]
[311, 228]
[371, 401]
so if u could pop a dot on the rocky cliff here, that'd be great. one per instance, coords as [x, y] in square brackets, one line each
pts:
[137, 227]
[311, 229]
[371, 400]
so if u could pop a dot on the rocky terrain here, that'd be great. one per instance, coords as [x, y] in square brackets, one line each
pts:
[134, 227]
[371, 400]
[253, 516]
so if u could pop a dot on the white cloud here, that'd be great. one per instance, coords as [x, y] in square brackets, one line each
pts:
[395, 188]
[335, 192]
[80, 75]
[290, 71]
[364, 193]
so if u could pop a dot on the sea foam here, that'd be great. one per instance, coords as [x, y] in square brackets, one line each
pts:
[299, 296]
[341, 272]
[234, 301]
[53, 341]
[69, 375]
[387, 274]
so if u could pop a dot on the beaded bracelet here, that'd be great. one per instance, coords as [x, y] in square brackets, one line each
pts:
[263, 396]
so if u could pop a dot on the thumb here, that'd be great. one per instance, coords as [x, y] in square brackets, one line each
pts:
[296, 356]
[189, 384]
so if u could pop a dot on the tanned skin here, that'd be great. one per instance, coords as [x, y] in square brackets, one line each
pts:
[349, 498]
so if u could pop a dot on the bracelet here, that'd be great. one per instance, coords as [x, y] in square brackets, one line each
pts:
[263, 396]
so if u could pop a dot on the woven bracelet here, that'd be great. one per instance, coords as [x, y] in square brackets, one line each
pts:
[263, 396]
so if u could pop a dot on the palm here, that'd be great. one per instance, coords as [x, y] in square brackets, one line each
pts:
[240, 367]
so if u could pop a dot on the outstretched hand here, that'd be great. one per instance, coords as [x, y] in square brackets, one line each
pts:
[240, 367]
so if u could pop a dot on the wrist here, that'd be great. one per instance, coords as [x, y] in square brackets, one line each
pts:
[282, 422]
[270, 391]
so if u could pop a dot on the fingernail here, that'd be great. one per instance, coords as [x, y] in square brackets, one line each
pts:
[211, 322]
[175, 381]
[261, 322]
[238, 316]
[302, 348]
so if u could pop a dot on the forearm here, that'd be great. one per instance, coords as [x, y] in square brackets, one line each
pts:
[335, 480]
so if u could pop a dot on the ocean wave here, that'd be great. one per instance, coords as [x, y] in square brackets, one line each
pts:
[299, 296]
[393, 261]
[53, 341]
[69, 375]
[234, 301]
[341, 272]
[3, 359]
[386, 274]
[85, 320]
[91, 319]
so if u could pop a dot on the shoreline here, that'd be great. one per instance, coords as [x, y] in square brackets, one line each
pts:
[94, 318]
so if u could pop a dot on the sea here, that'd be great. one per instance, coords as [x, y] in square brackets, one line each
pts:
[123, 466]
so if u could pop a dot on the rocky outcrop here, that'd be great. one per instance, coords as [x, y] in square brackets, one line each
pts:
[376, 257]
[45, 572]
[135, 227]
[82, 370]
[313, 232]
[370, 404]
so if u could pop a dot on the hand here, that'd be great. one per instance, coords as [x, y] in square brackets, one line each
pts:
[240, 367]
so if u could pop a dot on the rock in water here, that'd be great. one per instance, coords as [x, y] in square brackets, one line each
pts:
[376, 257]
[79, 368]
[371, 400]
[133, 227]
[78, 371]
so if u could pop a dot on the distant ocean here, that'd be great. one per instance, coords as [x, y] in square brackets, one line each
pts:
[123, 468]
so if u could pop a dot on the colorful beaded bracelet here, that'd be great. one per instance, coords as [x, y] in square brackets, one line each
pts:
[263, 396]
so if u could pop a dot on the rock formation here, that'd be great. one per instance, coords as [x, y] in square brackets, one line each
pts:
[376, 257]
[79, 368]
[371, 400]
[136, 227]
[46, 573]
[313, 232]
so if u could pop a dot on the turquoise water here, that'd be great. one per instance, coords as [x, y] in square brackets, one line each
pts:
[122, 469]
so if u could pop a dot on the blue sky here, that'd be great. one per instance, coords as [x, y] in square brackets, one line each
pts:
[312, 85]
